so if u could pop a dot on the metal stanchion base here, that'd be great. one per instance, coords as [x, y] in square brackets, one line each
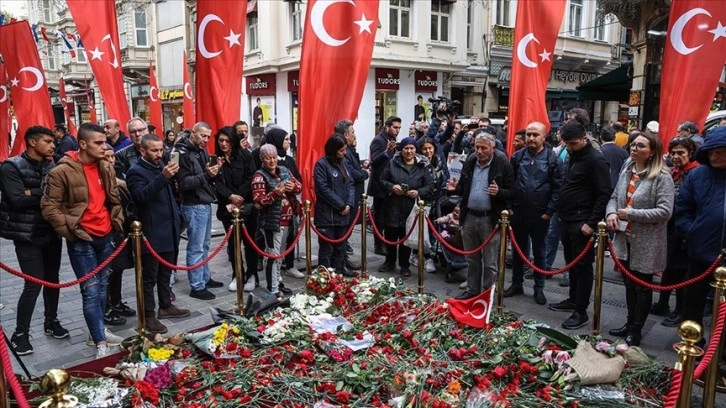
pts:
[720, 380]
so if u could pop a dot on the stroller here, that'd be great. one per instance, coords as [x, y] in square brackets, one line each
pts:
[447, 259]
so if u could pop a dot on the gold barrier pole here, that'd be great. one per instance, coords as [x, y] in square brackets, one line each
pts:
[602, 242]
[363, 232]
[709, 386]
[3, 390]
[503, 227]
[690, 333]
[308, 244]
[238, 263]
[421, 226]
[140, 314]
[54, 385]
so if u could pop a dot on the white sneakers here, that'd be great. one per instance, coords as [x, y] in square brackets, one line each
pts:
[413, 259]
[429, 266]
[250, 285]
[233, 285]
[111, 339]
[464, 285]
[294, 273]
[102, 351]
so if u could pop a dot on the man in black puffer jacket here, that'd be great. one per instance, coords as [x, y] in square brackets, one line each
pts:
[37, 246]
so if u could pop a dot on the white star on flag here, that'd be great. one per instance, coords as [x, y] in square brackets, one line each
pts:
[365, 25]
[719, 31]
[96, 54]
[545, 56]
[233, 39]
[14, 82]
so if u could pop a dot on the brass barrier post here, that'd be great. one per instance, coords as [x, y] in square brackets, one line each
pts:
[602, 240]
[709, 386]
[503, 227]
[690, 333]
[421, 226]
[140, 315]
[308, 244]
[3, 390]
[363, 232]
[238, 263]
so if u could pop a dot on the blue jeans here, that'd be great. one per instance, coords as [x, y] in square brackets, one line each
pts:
[199, 233]
[86, 256]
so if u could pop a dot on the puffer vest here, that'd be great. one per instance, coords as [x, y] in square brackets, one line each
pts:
[25, 224]
[270, 216]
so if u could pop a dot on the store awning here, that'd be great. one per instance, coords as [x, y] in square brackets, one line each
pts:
[613, 86]
[552, 93]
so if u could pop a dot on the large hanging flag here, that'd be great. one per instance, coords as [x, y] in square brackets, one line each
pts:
[96, 23]
[692, 63]
[67, 112]
[154, 101]
[337, 49]
[4, 115]
[220, 51]
[26, 80]
[535, 35]
[188, 104]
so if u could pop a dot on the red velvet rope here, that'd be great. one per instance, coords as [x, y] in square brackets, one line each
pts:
[78, 281]
[545, 272]
[20, 399]
[378, 234]
[341, 239]
[629, 275]
[713, 341]
[199, 264]
[672, 398]
[273, 256]
[456, 250]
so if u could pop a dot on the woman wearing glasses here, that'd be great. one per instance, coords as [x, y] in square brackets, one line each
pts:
[638, 213]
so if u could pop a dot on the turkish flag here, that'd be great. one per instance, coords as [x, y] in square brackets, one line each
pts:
[96, 23]
[4, 115]
[220, 51]
[535, 35]
[474, 311]
[188, 105]
[692, 63]
[154, 101]
[27, 81]
[337, 49]
[62, 90]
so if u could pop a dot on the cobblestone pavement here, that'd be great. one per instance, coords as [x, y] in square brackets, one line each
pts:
[49, 353]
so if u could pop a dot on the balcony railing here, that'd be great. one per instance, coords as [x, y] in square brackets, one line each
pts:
[503, 36]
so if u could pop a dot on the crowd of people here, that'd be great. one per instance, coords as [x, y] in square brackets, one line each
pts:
[664, 211]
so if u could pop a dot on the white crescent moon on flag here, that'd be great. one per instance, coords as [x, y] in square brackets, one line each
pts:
[188, 90]
[5, 93]
[38, 78]
[113, 49]
[522, 50]
[316, 20]
[151, 94]
[483, 313]
[202, 28]
[676, 34]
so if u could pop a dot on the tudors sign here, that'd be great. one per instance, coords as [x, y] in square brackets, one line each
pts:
[387, 78]
[261, 84]
[426, 81]
[293, 81]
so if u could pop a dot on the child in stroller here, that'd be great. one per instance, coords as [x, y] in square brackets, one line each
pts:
[448, 227]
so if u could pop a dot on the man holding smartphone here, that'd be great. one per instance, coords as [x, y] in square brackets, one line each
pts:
[197, 172]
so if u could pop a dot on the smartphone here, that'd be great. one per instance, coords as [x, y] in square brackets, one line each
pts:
[174, 157]
[213, 160]
[404, 187]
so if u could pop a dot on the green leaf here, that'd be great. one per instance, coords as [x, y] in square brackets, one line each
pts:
[496, 359]
[356, 369]
[339, 385]
[546, 375]
[351, 375]
[559, 338]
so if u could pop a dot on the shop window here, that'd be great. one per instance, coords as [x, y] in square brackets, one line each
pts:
[252, 25]
[296, 13]
[574, 25]
[399, 18]
[141, 31]
[503, 13]
[440, 10]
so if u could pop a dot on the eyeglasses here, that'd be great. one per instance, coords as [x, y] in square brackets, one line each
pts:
[137, 131]
[638, 146]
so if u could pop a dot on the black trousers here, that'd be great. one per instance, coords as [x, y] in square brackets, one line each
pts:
[378, 204]
[582, 274]
[404, 252]
[695, 295]
[251, 255]
[332, 255]
[156, 275]
[43, 262]
[637, 297]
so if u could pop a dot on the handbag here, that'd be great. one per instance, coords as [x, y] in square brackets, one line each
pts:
[412, 240]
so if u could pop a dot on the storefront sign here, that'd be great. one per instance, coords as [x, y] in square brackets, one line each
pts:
[261, 84]
[505, 75]
[573, 76]
[387, 78]
[293, 81]
[426, 81]
[169, 94]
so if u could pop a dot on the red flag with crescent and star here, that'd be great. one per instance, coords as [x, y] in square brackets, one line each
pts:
[66, 112]
[154, 101]
[474, 311]
[220, 52]
[4, 115]
[188, 104]
[535, 35]
[337, 49]
[96, 23]
[695, 53]
[26, 81]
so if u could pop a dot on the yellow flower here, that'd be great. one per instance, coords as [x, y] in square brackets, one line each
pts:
[159, 354]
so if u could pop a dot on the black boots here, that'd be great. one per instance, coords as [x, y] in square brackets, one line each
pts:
[622, 331]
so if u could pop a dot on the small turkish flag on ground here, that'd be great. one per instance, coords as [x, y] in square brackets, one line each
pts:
[474, 311]
[692, 63]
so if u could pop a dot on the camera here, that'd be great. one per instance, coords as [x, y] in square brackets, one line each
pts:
[444, 105]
